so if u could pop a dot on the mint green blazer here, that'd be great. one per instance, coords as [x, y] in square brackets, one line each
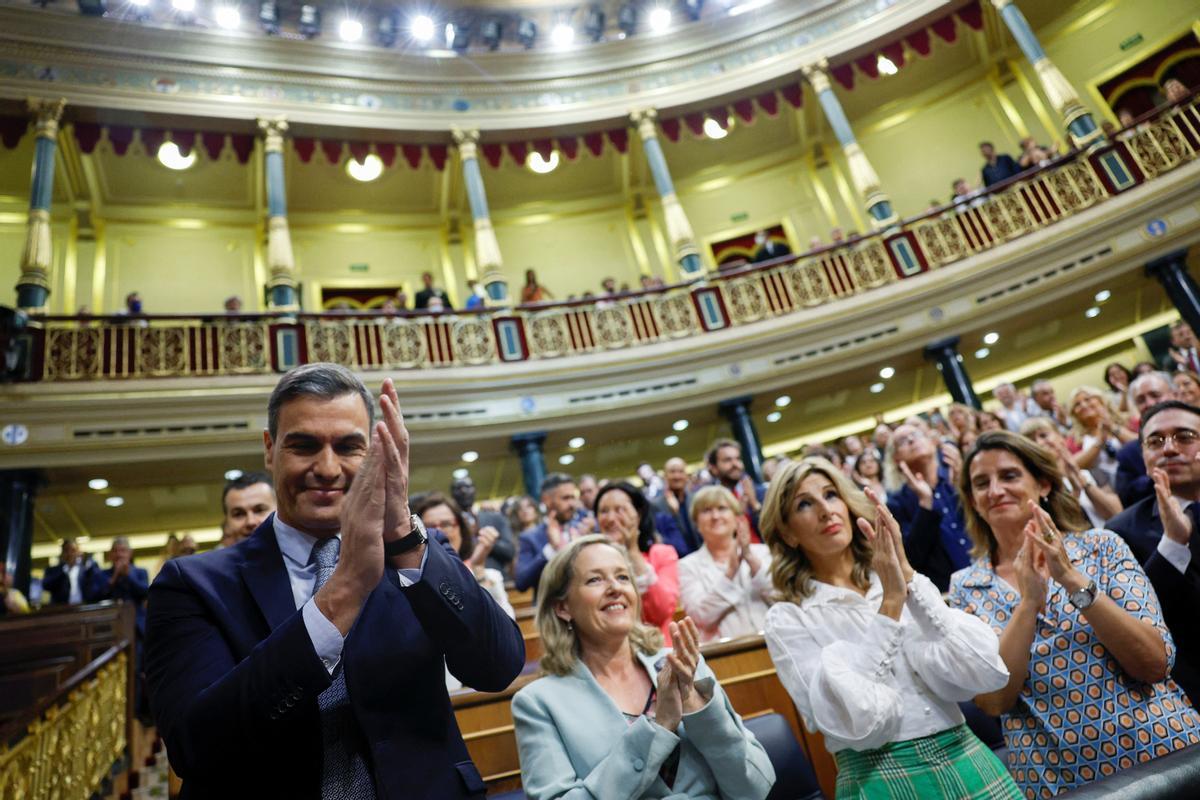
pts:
[575, 744]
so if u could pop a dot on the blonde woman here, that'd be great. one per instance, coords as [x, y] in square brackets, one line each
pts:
[1100, 431]
[614, 714]
[725, 586]
[1100, 503]
[867, 649]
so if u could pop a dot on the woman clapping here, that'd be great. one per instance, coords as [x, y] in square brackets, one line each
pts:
[868, 650]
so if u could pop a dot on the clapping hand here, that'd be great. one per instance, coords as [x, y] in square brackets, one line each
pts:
[1177, 526]
[485, 540]
[1043, 536]
[1030, 569]
[885, 562]
[554, 532]
[677, 693]
[919, 485]
[885, 521]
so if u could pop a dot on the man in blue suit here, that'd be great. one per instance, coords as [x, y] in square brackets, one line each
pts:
[1161, 529]
[72, 579]
[566, 520]
[309, 659]
[122, 581]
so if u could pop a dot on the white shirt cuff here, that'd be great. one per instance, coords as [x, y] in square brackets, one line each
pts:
[1178, 555]
[326, 638]
[548, 551]
[411, 575]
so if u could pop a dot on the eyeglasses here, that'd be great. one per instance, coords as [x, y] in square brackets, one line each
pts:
[1183, 438]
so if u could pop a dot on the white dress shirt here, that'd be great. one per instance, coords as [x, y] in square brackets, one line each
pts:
[1177, 555]
[296, 547]
[73, 573]
[720, 607]
[863, 679]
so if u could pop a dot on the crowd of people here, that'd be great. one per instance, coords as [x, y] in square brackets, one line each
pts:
[1035, 558]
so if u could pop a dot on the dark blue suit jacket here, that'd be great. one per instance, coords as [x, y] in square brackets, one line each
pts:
[530, 559]
[1132, 482]
[234, 678]
[1178, 593]
[133, 588]
[57, 583]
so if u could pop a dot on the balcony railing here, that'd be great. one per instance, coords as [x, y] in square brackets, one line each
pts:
[73, 348]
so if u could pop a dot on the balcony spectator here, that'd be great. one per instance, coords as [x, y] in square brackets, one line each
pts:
[476, 297]
[608, 285]
[1175, 90]
[133, 312]
[1045, 404]
[1187, 386]
[435, 305]
[997, 166]
[815, 243]
[837, 236]
[1182, 352]
[233, 304]
[401, 300]
[429, 293]
[767, 249]
[70, 581]
[1034, 155]
[532, 291]
[651, 282]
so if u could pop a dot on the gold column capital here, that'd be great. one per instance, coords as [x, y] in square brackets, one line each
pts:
[46, 113]
[817, 75]
[643, 119]
[273, 130]
[467, 142]
[1000, 4]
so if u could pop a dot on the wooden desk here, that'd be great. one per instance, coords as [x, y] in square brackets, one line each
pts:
[743, 667]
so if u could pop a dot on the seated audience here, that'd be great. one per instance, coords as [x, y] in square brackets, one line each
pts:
[1100, 431]
[532, 291]
[478, 518]
[1045, 404]
[725, 586]
[990, 421]
[1160, 530]
[615, 715]
[867, 648]
[920, 474]
[1187, 386]
[524, 514]
[123, 581]
[1182, 353]
[1117, 377]
[671, 517]
[623, 515]
[566, 519]
[724, 459]
[997, 167]
[1015, 407]
[868, 472]
[1088, 692]
[961, 419]
[1099, 503]
[1132, 482]
[72, 579]
[473, 546]
[1142, 367]
[588, 486]
[247, 501]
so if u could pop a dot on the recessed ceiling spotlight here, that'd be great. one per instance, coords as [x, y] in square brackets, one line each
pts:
[680, 424]
[1103, 295]
[714, 129]
[577, 442]
[228, 17]
[233, 474]
[98, 484]
[541, 165]
[350, 29]
[660, 18]
[566, 458]
[562, 35]
[170, 157]
[422, 28]
[887, 372]
[876, 388]
[460, 473]
[885, 65]
[775, 416]
[114, 501]
[1094, 311]
[470, 456]
[184, 6]
[783, 401]
[671, 440]
[982, 352]
[991, 338]
[370, 168]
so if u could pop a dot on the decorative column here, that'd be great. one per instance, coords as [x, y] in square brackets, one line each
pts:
[1062, 95]
[1171, 271]
[280, 260]
[862, 174]
[487, 249]
[528, 447]
[737, 411]
[679, 230]
[944, 353]
[17, 490]
[33, 287]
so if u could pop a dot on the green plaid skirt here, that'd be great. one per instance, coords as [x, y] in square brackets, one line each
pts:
[952, 764]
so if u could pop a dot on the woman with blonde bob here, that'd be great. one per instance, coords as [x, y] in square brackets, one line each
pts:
[614, 714]
[870, 654]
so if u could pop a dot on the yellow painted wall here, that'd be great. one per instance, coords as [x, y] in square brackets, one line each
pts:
[324, 256]
[12, 244]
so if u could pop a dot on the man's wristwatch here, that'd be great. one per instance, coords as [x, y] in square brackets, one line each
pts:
[1084, 597]
[415, 539]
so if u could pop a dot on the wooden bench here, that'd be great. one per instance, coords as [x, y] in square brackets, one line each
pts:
[742, 665]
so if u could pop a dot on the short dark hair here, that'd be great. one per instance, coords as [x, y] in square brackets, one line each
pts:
[429, 500]
[554, 480]
[1165, 405]
[711, 456]
[987, 144]
[640, 504]
[243, 481]
[322, 379]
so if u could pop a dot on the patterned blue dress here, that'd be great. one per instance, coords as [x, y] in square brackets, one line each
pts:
[1079, 717]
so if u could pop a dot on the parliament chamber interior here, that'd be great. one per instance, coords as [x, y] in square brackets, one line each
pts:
[655, 281]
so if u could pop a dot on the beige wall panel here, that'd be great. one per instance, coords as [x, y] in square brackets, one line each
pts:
[178, 270]
[324, 257]
[571, 254]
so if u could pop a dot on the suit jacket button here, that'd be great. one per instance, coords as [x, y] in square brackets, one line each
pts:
[638, 764]
[444, 588]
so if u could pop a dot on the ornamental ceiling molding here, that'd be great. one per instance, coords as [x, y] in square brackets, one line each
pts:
[158, 71]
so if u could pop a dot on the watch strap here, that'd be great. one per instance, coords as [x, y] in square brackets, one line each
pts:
[415, 539]
[1084, 597]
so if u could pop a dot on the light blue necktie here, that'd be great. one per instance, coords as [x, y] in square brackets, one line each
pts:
[344, 771]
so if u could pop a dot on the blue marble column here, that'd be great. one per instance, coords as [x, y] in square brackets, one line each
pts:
[280, 261]
[862, 174]
[533, 462]
[487, 250]
[1062, 95]
[17, 490]
[737, 411]
[1172, 272]
[944, 353]
[33, 287]
[679, 230]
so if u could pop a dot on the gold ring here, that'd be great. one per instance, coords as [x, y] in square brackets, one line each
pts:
[1049, 537]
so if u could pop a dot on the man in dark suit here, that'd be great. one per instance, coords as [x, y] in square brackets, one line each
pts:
[672, 509]
[767, 249]
[309, 659]
[122, 581]
[566, 519]
[421, 301]
[501, 556]
[1132, 483]
[72, 579]
[1161, 530]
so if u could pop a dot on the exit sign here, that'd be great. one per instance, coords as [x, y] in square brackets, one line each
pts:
[739, 217]
[359, 267]
[1132, 41]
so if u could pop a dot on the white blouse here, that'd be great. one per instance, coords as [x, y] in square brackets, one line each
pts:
[864, 680]
[720, 607]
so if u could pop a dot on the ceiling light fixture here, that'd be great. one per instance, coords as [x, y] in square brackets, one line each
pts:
[542, 166]
[470, 456]
[887, 372]
[184, 6]
[885, 65]
[876, 388]
[775, 416]
[114, 501]
[750, 5]
[98, 484]
[233, 474]
[228, 17]
[566, 458]
[660, 19]
[680, 424]
[577, 442]
[783, 401]
[991, 338]
[370, 168]
[350, 29]
[170, 157]
[982, 353]
[714, 129]
[671, 440]
[563, 35]
[422, 28]
[460, 473]
[1092, 312]
[1103, 295]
